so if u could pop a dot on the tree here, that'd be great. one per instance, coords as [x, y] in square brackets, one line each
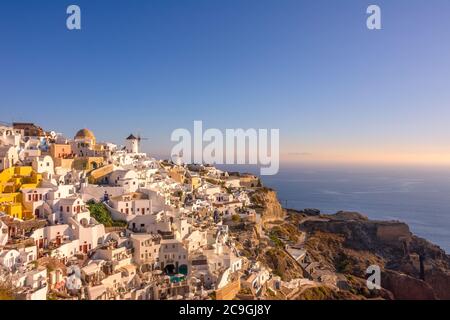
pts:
[101, 214]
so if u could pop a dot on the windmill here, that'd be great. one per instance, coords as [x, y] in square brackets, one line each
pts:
[133, 143]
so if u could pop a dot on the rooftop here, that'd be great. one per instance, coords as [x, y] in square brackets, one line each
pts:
[84, 133]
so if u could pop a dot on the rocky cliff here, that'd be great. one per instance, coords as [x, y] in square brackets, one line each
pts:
[266, 203]
[348, 242]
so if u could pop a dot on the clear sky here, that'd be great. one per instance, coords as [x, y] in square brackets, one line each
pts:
[337, 91]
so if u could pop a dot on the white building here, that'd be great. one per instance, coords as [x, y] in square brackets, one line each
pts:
[127, 179]
[9, 136]
[135, 203]
[45, 165]
[173, 257]
[132, 144]
[32, 285]
[9, 259]
[8, 157]
[146, 249]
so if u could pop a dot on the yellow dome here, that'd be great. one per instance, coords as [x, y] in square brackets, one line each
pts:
[85, 134]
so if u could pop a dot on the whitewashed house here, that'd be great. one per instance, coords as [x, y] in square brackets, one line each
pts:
[8, 157]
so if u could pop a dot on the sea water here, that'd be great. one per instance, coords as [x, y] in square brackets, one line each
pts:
[417, 196]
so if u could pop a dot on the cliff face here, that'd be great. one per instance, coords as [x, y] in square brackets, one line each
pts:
[282, 265]
[267, 205]
[347, 243]
[405, 287]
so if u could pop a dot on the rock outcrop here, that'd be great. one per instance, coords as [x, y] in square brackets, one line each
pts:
[267, 204]
[405, 287]
[282, 264]
[348, 243]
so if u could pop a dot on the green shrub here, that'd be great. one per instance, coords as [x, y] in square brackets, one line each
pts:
[101, 214]
[276, 240]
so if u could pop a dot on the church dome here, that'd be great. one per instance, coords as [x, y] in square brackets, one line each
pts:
[84, 134]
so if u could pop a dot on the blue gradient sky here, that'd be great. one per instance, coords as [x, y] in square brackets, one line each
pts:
[337, 91]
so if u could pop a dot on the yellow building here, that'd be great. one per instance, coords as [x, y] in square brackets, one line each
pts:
[195, 182]
[12, 180]
[177, 173]
[11, 204]
[88, 163]
[100, 175]
[63, 163]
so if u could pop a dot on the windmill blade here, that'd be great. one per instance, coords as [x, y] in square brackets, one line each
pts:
[140, 138]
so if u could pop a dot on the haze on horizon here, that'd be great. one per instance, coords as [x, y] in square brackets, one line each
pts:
[338, 92]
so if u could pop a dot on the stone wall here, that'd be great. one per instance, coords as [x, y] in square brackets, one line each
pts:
[393, 232]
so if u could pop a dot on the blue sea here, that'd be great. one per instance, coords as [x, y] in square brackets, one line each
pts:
[417, 196]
